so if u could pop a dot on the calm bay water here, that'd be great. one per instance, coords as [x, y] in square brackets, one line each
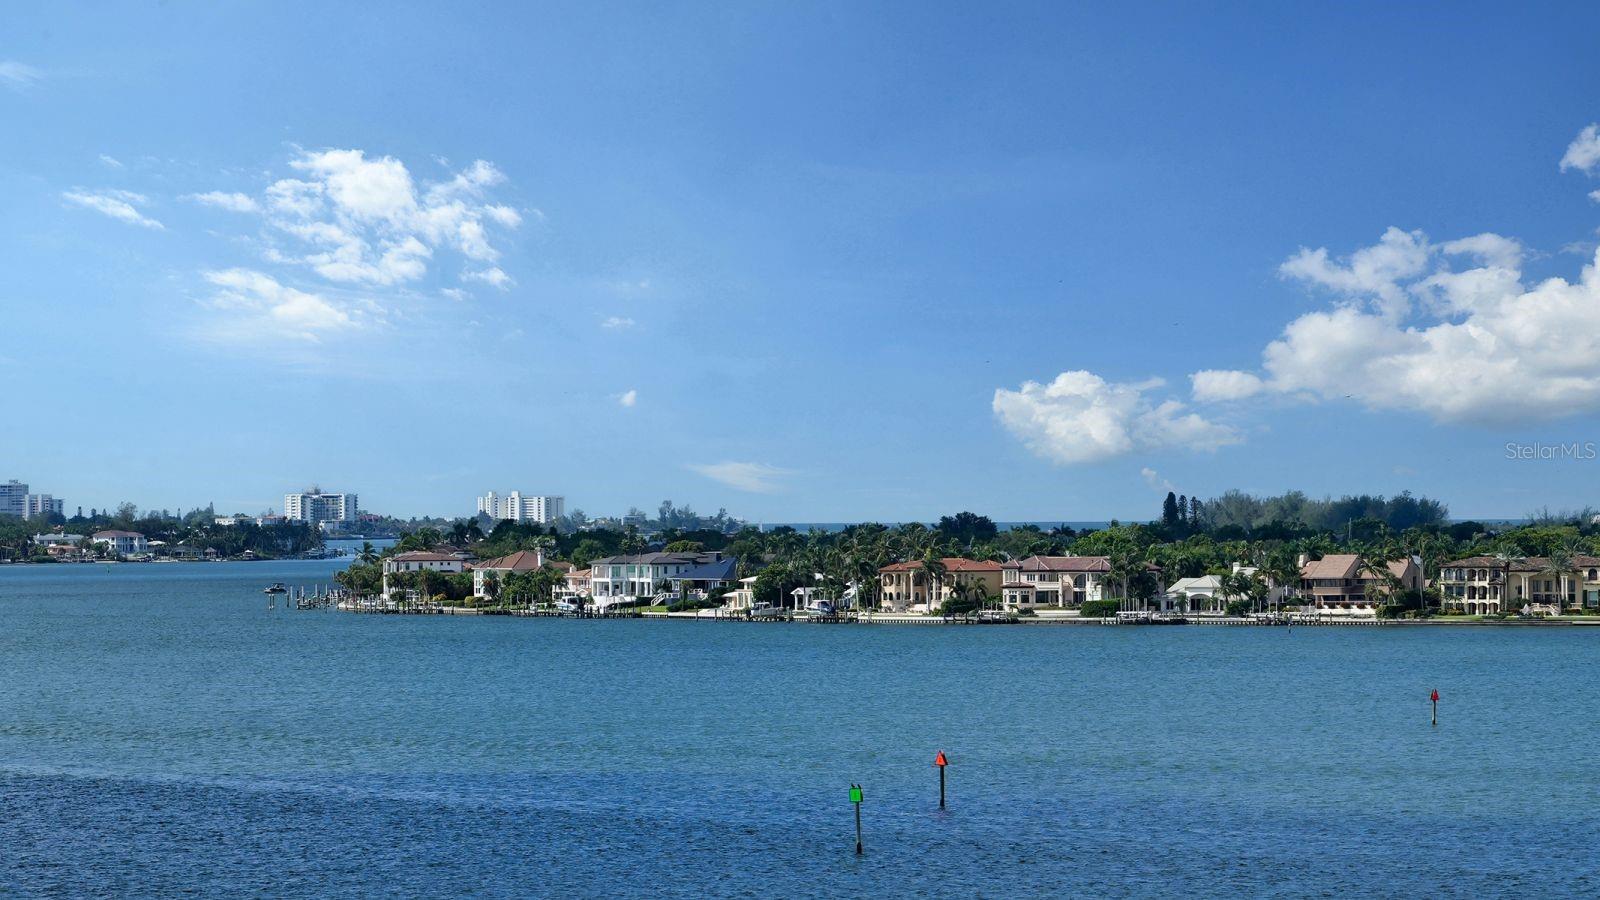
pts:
[161, 730]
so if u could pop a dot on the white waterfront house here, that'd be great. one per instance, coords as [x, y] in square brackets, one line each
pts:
[1064, 581]
[417, 561]
[122, 543]
[541, 509]
[574, 586]
[618, 579]
[743, 597]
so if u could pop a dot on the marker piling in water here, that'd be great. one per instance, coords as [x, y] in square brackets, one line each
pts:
[940, 762]
[855, 798]
[1435, 698]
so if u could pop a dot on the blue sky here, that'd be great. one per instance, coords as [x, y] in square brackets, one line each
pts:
[810, 262]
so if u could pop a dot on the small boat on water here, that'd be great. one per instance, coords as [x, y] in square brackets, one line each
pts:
[276, 588]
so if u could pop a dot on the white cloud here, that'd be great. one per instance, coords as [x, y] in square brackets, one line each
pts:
[758, 478]
[18, 76]
[355, 219]
[1583, 153]
[504, 215]
[1371, 272]
[1154, 479]
[1485, 348]
[370, 190]
[1081, 418]
[1213, 385]
[492, 276]
[118, 205]
[617, 322]
[233, 202]
[628, 398]
[110, 161]
[456, 294]
[251, 305]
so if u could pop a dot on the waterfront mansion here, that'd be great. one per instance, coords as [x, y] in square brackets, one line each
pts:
[1481, 585]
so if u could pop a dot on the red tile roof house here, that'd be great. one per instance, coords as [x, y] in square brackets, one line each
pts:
[416, 561]
[1339, 582]
[902, 587]
[1059, 581]
[520, 561]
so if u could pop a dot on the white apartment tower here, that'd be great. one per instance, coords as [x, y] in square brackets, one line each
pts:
[514, 506]
[16, 501]
[13, 498]
[316, 507]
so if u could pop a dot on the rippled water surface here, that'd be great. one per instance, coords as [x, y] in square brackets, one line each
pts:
[161, 730]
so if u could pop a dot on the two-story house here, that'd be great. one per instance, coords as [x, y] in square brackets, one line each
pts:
[1486, 585]
[1345, 583]
[905, 586]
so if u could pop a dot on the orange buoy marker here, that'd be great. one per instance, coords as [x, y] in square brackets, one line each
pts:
[1435, 699]
[940, 762]
[855, 797]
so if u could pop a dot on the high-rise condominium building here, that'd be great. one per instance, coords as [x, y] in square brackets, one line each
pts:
[316, 507]
[540, 509]
[13, 498]
[16, 501]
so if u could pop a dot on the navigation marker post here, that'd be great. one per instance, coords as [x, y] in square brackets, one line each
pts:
[940, 762]
[855, 798]
[1435, 698]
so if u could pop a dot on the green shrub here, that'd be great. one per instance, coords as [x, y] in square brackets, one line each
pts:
[1238, 608]
[1098, 609]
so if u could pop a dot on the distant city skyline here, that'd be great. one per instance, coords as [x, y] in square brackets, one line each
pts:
[840, 263]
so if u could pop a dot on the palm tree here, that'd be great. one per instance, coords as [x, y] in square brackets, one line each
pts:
[369, 553]
[934, 572]
[1383, 584]
[1560, 564]
[1122, 566]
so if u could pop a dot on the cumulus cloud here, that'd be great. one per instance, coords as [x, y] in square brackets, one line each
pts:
[1212, 385]
[617, 322]
[358, 219]
[628, 398]
[492, 276]
[1583, 153]
[1081, 418]
[118, 205]
[233, 202]
[18, 76]
[258, 305]
[1482, 347]
[1154, 480]
[1450, 330]
[1374, 271]
[758, 478]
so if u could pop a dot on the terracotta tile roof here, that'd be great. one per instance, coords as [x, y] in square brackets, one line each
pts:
[520, 561]
[1334, 565]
